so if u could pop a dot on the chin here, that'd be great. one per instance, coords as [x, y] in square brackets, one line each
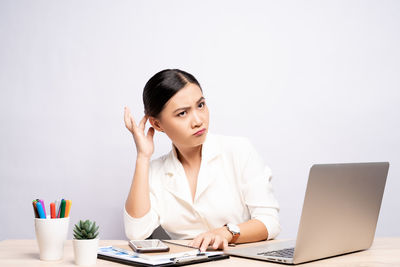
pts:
[199, 140]
[192, 141]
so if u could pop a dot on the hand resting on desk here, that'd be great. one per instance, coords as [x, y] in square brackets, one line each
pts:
[212, 240]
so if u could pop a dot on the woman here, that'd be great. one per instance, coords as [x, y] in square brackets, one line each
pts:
[210, 188]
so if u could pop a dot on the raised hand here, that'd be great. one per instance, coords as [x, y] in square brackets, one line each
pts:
[144, 142]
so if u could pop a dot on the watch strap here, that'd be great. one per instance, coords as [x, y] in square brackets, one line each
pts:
[235, 235]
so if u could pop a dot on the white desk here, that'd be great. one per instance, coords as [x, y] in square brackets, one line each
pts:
[25, 253]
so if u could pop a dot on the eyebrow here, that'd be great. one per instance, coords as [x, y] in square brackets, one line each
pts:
[182, 108]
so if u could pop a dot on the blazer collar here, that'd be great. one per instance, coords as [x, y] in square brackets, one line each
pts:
[174, 175]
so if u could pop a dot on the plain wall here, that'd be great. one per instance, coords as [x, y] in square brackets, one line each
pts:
[307, 81]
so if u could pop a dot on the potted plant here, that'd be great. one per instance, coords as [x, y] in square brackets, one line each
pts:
[85, 243]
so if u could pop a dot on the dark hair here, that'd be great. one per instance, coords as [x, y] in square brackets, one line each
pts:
[162, 86]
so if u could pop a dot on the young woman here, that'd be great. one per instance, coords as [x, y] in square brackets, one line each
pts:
[210, 188]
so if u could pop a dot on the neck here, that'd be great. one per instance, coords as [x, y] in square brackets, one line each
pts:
[189, 156]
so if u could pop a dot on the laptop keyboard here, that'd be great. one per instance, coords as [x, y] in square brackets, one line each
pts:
[285, 253]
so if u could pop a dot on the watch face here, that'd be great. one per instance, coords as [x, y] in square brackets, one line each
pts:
[233, 228]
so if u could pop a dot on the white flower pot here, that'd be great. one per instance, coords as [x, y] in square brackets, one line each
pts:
[85, 251]
[51, 235]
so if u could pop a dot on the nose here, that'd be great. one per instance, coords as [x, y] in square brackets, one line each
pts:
[196, 120]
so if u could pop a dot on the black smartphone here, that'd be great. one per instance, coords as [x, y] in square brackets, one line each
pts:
[149, 245]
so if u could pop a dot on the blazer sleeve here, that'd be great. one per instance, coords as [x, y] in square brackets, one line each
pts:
[257, 189]
[141, 228]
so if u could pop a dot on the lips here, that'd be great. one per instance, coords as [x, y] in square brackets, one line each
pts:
[202, 131]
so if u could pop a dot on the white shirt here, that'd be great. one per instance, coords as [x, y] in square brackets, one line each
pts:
[233, 186]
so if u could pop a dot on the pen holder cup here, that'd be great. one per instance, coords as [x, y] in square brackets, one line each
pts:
[51, 235]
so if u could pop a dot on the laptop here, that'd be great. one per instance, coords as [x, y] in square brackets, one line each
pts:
[339, 216]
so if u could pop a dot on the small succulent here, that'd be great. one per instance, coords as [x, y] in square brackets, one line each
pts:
[86, 230]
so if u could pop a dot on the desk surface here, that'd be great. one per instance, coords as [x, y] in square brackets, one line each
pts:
[384, 252]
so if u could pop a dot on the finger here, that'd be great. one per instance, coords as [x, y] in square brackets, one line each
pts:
[133, 124]
[206, 241]
[142, 123]
[150, 133]
[222, 243]
[217, 242]
[128, 123]
[225, 244]
[197, 241]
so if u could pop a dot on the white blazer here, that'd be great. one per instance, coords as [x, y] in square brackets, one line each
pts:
[233, 186]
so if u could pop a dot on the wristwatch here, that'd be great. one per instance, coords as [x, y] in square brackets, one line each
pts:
[235, 230]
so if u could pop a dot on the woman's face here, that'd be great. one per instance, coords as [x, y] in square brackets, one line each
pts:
[185, 117]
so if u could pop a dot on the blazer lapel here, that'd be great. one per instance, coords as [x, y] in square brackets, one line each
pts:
[174, 178]
[207, 175]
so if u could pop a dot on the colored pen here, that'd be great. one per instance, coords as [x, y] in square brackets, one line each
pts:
[69, 203]
[43, 206]
[58, 208]
[40, 210]
[62, 214]
[35, 209]
[53, 210]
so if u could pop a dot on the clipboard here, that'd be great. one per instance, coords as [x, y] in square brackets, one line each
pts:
[177, 256]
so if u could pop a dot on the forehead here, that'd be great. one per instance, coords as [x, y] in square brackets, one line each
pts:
[185, 97]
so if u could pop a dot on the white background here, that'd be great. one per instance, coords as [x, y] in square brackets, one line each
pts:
[307, 81]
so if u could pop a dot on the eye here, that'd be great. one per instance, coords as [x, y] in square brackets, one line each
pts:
[182, 114]
[202, 104]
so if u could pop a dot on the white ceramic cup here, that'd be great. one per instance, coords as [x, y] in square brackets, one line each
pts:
[51, 235]
[85, 251]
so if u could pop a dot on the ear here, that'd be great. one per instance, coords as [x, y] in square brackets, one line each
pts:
[156, 124]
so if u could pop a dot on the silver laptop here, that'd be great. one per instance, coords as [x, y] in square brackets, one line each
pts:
[340, 213]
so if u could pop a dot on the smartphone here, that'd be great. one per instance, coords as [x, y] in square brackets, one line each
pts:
[149, 245]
